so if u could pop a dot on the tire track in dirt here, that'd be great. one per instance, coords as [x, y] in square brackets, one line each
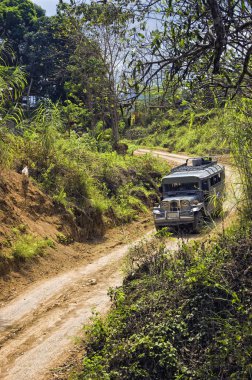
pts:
[27, 303]
[39, 344]
[38, 327]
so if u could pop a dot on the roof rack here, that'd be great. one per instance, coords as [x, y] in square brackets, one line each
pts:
[200, 163]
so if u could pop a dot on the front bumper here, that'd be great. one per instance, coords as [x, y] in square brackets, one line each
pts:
[167, 218]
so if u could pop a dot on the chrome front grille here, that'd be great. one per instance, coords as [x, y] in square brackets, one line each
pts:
[170, 205]
[174, 206]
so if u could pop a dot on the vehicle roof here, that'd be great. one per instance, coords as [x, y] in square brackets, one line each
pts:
[197, 172]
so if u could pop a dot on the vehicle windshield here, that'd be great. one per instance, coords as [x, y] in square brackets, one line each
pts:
[180, 186]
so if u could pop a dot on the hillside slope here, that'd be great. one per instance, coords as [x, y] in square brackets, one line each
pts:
[73, 235]
[40, 214]
[38, 219]
[180, 316]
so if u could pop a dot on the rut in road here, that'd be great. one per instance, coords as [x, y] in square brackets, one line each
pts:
[37, 327]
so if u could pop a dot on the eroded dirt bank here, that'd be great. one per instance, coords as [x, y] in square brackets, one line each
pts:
[37, 327]
[64, 258]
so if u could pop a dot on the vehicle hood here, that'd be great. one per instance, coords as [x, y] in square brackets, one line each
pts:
[182, 197]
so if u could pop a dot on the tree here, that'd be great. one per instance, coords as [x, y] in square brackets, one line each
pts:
[12, 83]
[86, 87]
[103, 26]
[41, 45]
[17, 17]
[205, 43]
[85, 100]
[46, 53]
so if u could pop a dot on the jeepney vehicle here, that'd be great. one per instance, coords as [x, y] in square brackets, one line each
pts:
[190, 194]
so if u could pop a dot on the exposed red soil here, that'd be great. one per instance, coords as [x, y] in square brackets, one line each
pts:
[39, 215]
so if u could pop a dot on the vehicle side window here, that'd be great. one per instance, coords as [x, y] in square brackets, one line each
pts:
[215, 179]
[205, 186]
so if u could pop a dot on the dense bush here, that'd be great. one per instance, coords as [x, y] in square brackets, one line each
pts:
[73, 170]
[182, 316]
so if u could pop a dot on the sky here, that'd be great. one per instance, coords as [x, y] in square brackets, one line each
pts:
[48, 5]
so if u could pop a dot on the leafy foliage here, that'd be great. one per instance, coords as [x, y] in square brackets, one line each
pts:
[236, 128]
[70, 168]
[46, 50]
[202, 44]
[16, 18]
[12, 83]
[27, 247]
[22, 246]
[185, 315]
[196, 132]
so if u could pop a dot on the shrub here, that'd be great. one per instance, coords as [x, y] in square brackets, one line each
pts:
[74, 172]
[28, 246]
[236, 128]
[64, 239]
[178, 316]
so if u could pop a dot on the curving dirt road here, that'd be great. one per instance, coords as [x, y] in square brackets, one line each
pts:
[38, 327]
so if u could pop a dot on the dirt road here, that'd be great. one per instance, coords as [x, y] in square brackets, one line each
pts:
[37, 328]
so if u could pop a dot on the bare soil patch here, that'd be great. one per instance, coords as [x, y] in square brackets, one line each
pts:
[63, 258]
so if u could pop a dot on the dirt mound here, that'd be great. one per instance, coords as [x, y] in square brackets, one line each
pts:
[40, 215]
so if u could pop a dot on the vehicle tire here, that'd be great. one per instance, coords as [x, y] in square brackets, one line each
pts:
[198, 222]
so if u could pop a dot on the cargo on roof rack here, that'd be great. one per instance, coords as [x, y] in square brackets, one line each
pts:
[193, 164]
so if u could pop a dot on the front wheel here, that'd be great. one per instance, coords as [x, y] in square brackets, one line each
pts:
[198, 222]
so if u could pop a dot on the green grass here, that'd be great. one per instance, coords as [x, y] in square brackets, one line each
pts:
[183, 131]
[27, 247]
[119, 187]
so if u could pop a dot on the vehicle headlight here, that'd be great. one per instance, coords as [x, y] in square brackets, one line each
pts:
[158, 213]
[194, 202]
[185, 204]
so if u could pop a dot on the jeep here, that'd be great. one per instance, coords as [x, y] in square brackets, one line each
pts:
[190, 194]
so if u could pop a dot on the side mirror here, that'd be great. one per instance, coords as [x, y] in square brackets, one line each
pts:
[160, 189]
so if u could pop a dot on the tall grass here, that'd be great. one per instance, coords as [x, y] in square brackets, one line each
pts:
[76, 173]
[191, 131]
[236, 127]
[12, 83]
